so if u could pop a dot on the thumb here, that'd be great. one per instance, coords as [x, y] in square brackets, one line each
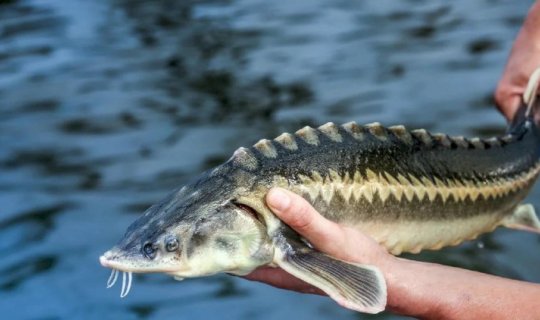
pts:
[296, 212]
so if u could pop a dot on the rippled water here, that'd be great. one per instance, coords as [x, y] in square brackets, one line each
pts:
[105, 106]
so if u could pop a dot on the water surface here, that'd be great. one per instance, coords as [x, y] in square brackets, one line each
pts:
[105, 106]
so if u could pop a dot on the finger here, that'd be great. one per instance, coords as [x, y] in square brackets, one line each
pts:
[510, 107]
[296, 212]
[508, 99]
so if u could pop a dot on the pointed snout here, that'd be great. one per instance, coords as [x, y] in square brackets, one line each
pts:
[126, 262]
[113, 260]
[104, 261]
[110, 259]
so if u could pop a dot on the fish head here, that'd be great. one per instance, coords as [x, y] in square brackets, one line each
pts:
[196, 231]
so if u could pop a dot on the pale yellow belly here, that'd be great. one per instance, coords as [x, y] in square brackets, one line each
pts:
[414, 236]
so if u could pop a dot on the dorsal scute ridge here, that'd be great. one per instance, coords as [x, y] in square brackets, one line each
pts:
[335, 133]
[244, 157]
[442, 139]
[355, 130]
[423, 135]
[266, 147]
[287, 141]
[308, 135]
[331, 131]
[377, 130]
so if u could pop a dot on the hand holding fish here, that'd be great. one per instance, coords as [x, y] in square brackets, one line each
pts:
[415, 288]
[323, 234]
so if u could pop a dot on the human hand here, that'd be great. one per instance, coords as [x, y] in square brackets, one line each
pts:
[523, 60]
[418, 289]
[338, 241]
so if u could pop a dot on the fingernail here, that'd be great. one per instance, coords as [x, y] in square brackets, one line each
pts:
[278, 199]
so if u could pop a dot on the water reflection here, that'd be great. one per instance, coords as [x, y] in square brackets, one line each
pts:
[107, 106]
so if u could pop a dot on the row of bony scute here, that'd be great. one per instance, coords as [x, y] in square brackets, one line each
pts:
[333, 132]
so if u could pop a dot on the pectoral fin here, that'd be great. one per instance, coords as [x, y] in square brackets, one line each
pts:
[523, 218]
[354, 286]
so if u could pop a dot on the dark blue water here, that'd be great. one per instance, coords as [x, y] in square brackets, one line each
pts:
[105, 106]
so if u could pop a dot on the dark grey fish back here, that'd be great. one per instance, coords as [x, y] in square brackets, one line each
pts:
[350, 148]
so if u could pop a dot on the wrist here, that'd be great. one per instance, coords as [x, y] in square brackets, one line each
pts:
[396, 288]
[409, 284]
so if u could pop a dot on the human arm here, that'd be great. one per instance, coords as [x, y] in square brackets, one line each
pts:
[417, 289]
[523, 60]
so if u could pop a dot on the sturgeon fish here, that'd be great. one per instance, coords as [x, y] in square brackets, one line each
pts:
[409, 190]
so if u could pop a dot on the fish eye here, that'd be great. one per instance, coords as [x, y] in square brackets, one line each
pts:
[149, 250]
[171, 244]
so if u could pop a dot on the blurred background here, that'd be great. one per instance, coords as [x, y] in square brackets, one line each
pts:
[106, 106]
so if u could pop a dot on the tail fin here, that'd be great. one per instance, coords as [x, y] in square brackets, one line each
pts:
[530, 105]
